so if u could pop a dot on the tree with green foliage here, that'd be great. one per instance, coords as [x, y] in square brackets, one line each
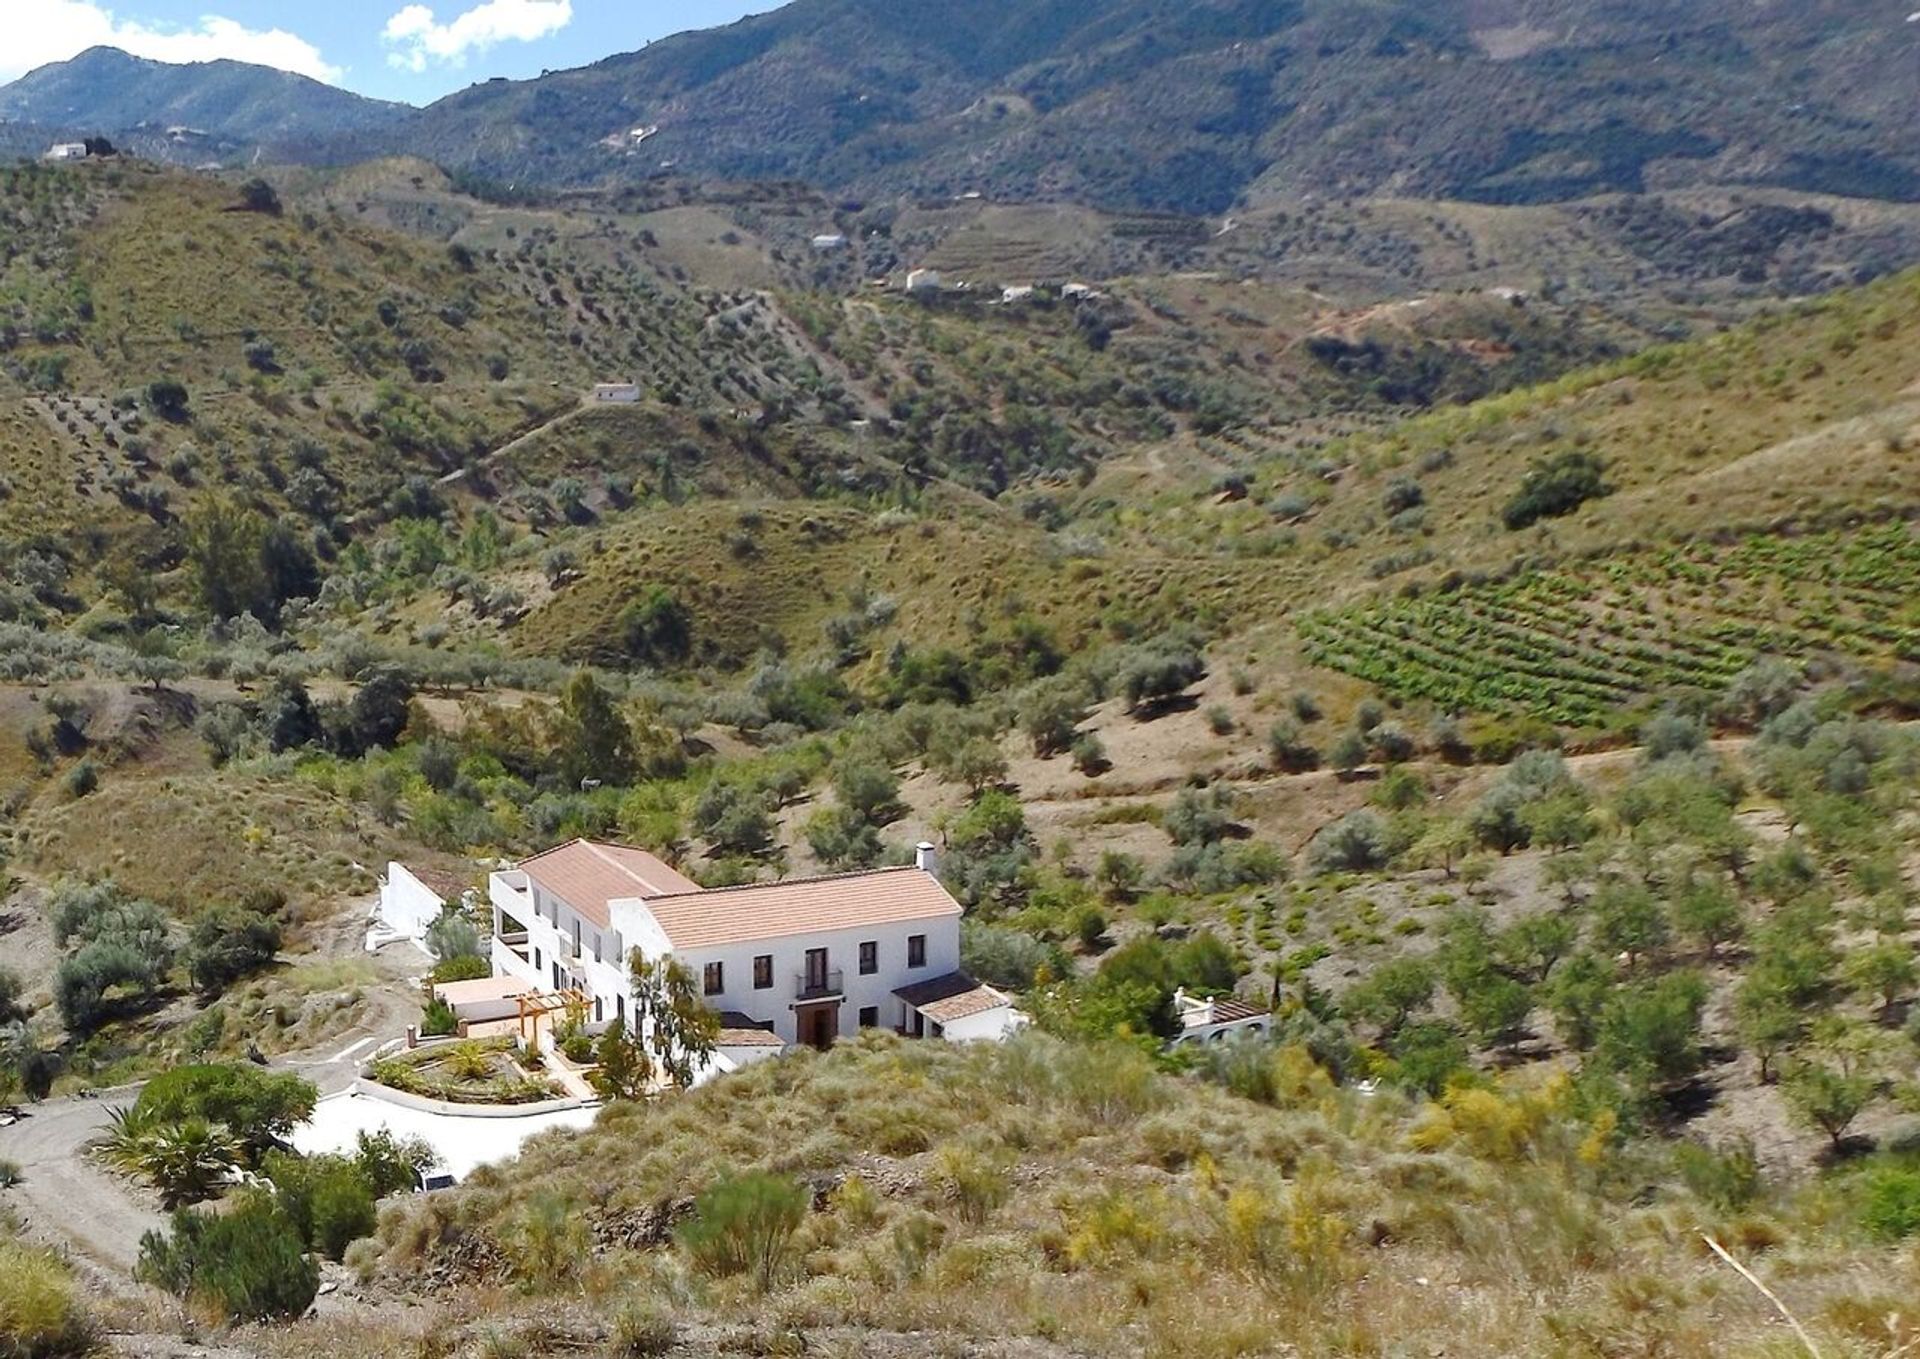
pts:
[656, 628]
[167, 398]
[868, 789]
[593, 740]
[224, 539]
[1577, 994]
[1709, 915]
[1884, 970]
[1826, 1098]
[1649, 1033]
[1427, 1055]
[1049, 713]
[1555, 485]
[623, 1067]
[1628, 919]
[678, 1026]
[733, 817]
[226, 944]
[186, 1159]
[1391, 994]
[1359, 841]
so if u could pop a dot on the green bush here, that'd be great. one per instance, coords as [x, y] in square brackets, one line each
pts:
[1891, 1203]
[40, 1316]
[465, 967]
[1554, 486]
[261, 1107]
[744, 1224]
[439, 1019]
[228, 943]
[328, 1198]
[250, 1263]
[639, 1331]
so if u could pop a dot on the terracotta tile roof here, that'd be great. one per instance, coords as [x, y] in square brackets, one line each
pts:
[954, 996]
[587, 874]
[774, 910]
[744, 1031]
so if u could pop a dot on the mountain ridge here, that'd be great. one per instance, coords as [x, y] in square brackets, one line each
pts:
[1143, 104]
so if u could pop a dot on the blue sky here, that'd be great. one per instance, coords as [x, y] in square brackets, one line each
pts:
[413, 50]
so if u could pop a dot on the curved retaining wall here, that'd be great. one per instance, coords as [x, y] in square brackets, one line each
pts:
[374, 1090]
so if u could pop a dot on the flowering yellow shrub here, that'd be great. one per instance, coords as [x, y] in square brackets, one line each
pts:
[1498, 1124]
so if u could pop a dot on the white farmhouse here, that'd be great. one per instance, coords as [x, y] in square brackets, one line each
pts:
[617, 392]
[807, 960]
[1204, 1020]
[923, 280]
[65, 151]
[830, 240]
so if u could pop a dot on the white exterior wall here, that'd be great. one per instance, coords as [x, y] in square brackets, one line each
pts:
[776, 1003]
[988, 1026]
[596, 966]
[407, 905]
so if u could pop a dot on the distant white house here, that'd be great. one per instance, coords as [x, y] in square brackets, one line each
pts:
[617, 392]
[65, 151]
[829, 240]
[1215, 1021]
[410, 900]
[1077, 292]
[923, 280]
[804, 961]
[1018, 292]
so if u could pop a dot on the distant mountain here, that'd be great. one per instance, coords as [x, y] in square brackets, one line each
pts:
[224, 103]
[1191, 104]
[1184, 105]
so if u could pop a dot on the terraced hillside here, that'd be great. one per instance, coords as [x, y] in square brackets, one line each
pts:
[1577, 644]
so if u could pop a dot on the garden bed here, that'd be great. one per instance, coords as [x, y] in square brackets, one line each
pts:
[472, 1071]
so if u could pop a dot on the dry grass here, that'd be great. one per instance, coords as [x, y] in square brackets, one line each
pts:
[1151, 1215]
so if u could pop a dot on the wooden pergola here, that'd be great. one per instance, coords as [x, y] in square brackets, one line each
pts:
[532, 1008]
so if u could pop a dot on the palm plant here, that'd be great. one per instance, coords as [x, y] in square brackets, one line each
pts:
[185, 1161]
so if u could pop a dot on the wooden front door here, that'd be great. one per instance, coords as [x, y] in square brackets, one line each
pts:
[818, 1024]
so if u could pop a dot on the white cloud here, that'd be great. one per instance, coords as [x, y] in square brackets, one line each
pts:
[40, 31]
[418, 38]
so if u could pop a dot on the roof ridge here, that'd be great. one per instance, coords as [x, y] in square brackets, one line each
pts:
[786, 882]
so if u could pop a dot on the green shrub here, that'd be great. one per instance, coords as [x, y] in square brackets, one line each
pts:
[40, 1317]
[1554, 486]
[463, 967]
[1891, 1206]
[1729, 1180]
[328, 1198]
[228, 943]
[260, 1107]
[744, 1224]
[439, 1019]
[249, 1264]
[640, 1330]
[9, 1173]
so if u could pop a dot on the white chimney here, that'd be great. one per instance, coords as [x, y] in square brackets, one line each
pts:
[923, 857]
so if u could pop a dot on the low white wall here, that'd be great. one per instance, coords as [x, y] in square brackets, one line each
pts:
[374, 1090]
[407, 905]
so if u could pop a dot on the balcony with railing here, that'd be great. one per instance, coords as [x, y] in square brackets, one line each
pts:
[817, 984]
